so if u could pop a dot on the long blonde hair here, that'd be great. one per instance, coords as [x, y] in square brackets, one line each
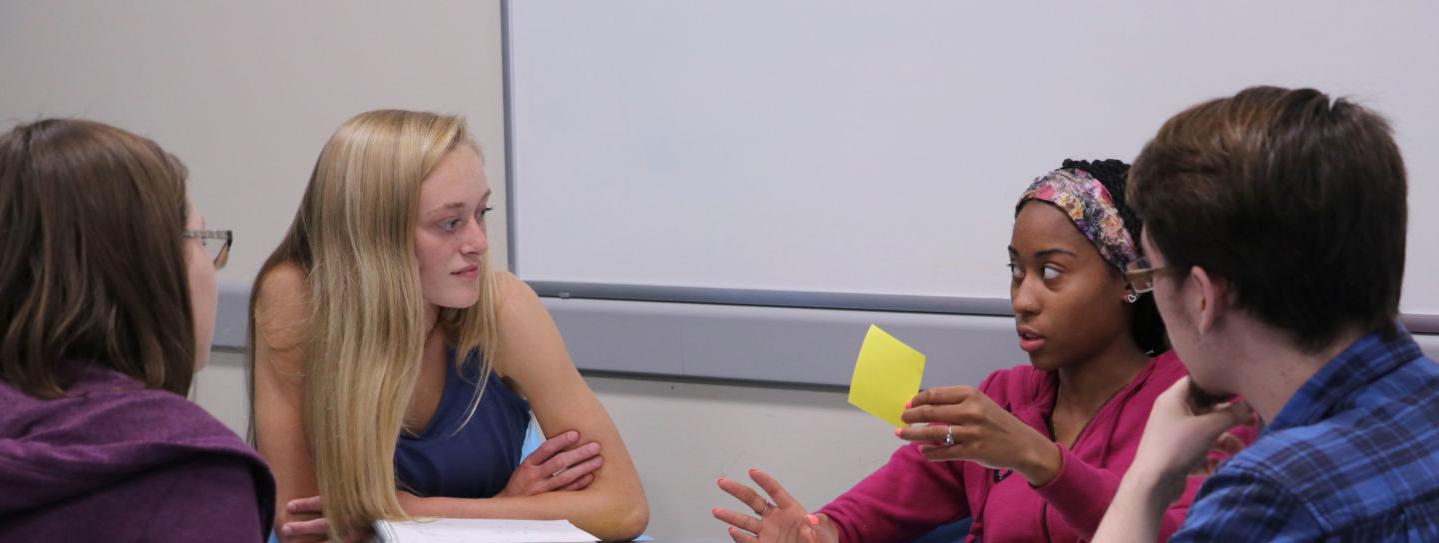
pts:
[354, 237]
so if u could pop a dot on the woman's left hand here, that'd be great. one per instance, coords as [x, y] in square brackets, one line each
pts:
[317, 529]
[981, 432]
[783, 520]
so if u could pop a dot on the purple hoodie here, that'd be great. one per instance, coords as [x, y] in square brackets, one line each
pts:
[113, 461]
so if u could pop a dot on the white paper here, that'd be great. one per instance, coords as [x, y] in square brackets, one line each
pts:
[453, 530]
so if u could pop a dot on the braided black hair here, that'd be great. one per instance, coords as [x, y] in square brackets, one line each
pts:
[1148, 327]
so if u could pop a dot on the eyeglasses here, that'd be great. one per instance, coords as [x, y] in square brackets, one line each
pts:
[1140, 275]
[216, 243]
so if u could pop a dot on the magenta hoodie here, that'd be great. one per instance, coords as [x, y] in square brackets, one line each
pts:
[113, 461]
[911, 495]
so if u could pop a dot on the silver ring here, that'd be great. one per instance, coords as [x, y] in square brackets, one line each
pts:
[767, 507]
[949, 436]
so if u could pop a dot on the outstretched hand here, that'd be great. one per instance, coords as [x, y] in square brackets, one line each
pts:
[780, 520]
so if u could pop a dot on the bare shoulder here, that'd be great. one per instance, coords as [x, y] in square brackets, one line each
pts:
[516, 304]
[529, 340]
[282, 307]
[509, 288]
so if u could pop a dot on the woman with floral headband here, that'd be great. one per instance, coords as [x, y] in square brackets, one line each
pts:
[1036, 452]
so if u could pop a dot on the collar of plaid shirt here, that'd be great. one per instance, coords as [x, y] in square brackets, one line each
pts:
[1368, 359]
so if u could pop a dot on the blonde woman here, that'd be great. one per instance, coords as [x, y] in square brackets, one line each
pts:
[394, 373]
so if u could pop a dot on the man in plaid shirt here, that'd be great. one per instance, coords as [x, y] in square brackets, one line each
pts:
[1274, 225]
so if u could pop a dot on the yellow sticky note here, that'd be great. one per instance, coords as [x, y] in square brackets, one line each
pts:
[886, 375]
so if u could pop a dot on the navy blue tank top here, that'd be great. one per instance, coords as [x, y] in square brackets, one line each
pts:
[476, 461]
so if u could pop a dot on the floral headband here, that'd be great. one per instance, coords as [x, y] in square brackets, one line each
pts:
[1090, 206]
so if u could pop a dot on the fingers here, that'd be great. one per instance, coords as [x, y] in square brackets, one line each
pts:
[1229, 444]
[570, 458]
[809, 534]
[744, 494]
[550, 467]
[820, 529]
[318, 527]
[1233, 414]
[772, 487]
[935, 433]
[737, 520]
[959, 412]
[1174, 401]
[579, 484]
[1176, 440]
[740, 536]
[821, 521]
[920, 414]
[573, 473]
[1201, 401]
[551, 446]
[942, 396]
[1187, 398]
[312, 504]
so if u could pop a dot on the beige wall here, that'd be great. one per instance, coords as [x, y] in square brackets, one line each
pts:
[246, 93]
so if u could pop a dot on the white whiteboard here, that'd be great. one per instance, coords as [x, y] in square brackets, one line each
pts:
[864, 147]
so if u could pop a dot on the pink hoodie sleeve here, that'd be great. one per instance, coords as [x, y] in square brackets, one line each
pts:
[1080, 494]
[905, 498]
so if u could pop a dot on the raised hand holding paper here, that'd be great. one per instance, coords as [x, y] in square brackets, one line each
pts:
[886, 375]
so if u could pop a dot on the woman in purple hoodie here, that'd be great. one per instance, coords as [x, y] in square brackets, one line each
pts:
[107, 308]
[1035, 452]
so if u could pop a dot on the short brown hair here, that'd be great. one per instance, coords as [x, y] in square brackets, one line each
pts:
[91, 262]
[1298, 201]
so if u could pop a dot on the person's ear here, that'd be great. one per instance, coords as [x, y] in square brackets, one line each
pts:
[1210, 299]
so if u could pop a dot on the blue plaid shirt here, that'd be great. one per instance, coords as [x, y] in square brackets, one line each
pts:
[1353, 456]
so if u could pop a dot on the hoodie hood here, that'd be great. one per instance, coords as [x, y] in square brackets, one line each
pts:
[107, 428]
